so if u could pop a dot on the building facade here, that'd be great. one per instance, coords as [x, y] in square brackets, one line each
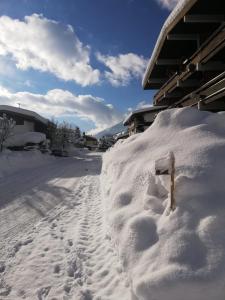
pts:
[187, 66]
[139, 120]
[26, 120]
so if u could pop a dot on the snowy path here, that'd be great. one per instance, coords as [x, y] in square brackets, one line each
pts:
[58, 248]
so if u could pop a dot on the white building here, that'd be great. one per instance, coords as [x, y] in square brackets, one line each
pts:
[26, 120]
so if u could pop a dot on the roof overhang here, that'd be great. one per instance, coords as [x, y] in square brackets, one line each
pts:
[190, 24]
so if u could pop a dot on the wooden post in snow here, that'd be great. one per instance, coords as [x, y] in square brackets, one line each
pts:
[172, 182]
[166, 166]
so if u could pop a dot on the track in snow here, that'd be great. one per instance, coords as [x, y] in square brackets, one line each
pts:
[67, 254]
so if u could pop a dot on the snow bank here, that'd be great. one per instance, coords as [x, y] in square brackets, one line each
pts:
[170, 255]
[22, 139]
[11, 162]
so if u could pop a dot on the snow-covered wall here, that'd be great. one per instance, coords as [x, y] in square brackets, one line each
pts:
[170, 255]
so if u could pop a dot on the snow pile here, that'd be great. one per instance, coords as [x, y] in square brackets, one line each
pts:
[22, 139]
[11, 162]
[170, 254]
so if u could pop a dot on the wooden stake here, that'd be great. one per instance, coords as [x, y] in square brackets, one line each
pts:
[172, 182]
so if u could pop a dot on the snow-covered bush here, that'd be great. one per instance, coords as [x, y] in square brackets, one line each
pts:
[22, 139]
[170, 255]
[6, 127]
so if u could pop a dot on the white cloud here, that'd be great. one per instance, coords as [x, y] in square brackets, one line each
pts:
[140, 105]
[123, 68]
[47, 46]
[143, 104]
[61, 103]
[6, 68]
[169, 4]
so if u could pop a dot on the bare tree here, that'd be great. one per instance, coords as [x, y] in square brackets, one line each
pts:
[6, 127]
[64, 134]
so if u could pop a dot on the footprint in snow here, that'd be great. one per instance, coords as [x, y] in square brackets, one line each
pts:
[53, 225]
[5, 289]
[67, 288]
[86, 295]
[70, 243]
[56, 269]
[17, 247]
[72, 268]
[43, 293]
[2, 266]
[28, 241]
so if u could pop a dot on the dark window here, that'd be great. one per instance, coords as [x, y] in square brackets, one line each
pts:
[19, 120]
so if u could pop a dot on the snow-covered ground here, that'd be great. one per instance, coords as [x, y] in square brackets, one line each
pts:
[63, 236]
[15, 161]
[167, 254]
[53, 240]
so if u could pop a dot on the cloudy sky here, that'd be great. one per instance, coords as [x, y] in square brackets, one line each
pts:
[78, 60]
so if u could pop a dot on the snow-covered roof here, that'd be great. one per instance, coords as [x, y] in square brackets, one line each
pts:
[143, 110]
[90, 138]
[24, 112]
[176, 15]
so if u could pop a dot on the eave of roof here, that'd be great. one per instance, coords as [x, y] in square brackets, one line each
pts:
[176, 15]
[143, 110]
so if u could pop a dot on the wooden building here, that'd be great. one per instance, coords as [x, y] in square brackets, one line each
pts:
[139, 120]
[121, 135]
[90, 142]
[187, 66]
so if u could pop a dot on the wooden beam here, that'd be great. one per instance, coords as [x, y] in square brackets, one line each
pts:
[217, 105]
[174, 94]
[210, 66]
[157, 80]
[183, 37]
[187, 83]
[168, 62]
[204, 18]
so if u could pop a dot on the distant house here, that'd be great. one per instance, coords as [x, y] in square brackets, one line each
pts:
[26, 120]
[106, 142]
[139, 120]
[90, 142]
[121, 135]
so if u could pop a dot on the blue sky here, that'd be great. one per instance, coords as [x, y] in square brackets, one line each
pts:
[78, 60]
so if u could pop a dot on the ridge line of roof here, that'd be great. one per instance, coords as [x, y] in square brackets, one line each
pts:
[23, 111]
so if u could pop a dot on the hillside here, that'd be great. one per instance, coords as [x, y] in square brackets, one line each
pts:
[111, 130]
